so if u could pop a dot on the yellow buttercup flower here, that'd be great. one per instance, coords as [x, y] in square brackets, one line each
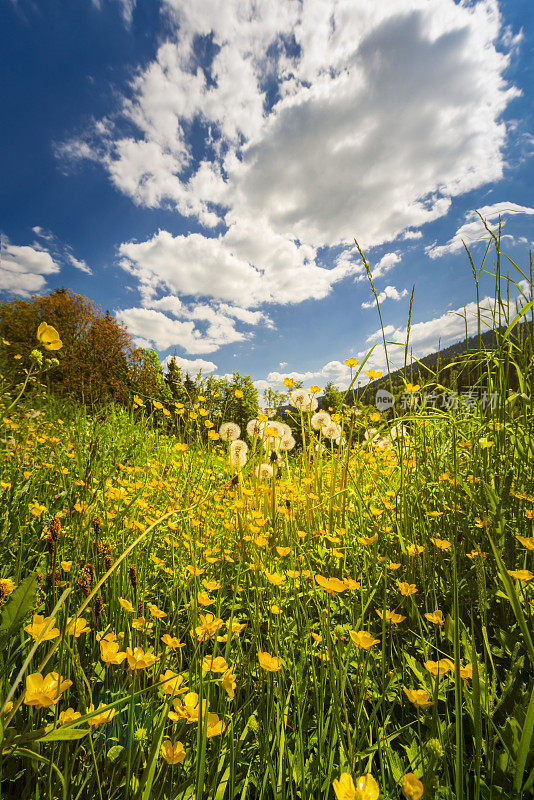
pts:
[351, 362]
[268, 662]
[171, 641]
[366, 787]
[49, 337]
[104, 716]
[126, 605]
[412, 788]
[363, 639]
[439, 668]
[419, 697]
[44, 692]
[109, 652]
[172, 682]
[210, 664]
[330, 585]
[69, 715]
[76, 628]
[521, 574]
[138, 659]
[228, 682]
[173, 753]
[436, 617]
[38, 625]
[407, 589]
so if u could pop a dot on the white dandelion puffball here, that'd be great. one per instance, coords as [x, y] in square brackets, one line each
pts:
[371, 435]
[301, 399]
[320, 419]
[238, 453]
[229, 431]
[287, 442]
[255, 427]
[331, 431]
[264, 471]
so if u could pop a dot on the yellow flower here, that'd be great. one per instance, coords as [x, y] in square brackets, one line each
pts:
[211, 586]
[229, 683]
[419, 697]
[214, 726]
[283, 551]
[436, 617]
[171, 641]
[208, 627]
[77, 628]
[137, 400]
[466, 672]
[44, 692]
[407, 589]
[439, 668]
[413, 549]
[373, 374]
[66, 566]
[38, 625]
[351, 362]
[411, 388]
[521, 574]
[127, 606]
[68, 716]
[238, 393]
[6, 586]
[366, 787]
[156, 612]
[204, 599]
[109, 652]
[412, 788]
[363, 639]
[98, 719]
[210, 664]
[368, 540]
[189, 709]
[330, 585]
[274, 578]
[173, 683]
[138, 659]
[142, 625]
[442, 544]
[268, 662]
[49, 337]
[315, 389]
[173, 753]
[391, 616]
[527, 542]
[351, 584]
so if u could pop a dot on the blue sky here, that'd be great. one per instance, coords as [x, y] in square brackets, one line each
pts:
[201, 169]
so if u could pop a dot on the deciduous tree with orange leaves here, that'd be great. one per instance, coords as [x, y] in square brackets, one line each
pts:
[93, 364]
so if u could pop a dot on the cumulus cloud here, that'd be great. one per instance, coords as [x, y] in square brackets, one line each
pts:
[190, 365]
[23, 268]
[319, 120]
[473, 231]
[390, 292]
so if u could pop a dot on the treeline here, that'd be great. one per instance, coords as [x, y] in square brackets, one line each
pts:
[99, 364]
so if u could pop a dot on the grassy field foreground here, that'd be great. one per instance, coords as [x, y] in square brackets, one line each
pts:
[351, 618]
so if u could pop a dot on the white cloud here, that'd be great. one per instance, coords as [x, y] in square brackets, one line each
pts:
[386, 263]
[412, 234]
[321, 120]
[22, 268]
[390, 292]
[80, 264]
[473, 230]
[191, 365]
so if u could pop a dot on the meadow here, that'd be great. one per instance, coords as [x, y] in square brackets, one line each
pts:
[244, 615]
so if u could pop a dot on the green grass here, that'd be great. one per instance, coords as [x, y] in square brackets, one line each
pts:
[446, 501]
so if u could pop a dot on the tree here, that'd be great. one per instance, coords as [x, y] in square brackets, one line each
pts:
[332, 398]
[239, 400]
[93, 359]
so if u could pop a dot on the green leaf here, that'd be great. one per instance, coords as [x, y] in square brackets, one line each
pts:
[17, 607]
